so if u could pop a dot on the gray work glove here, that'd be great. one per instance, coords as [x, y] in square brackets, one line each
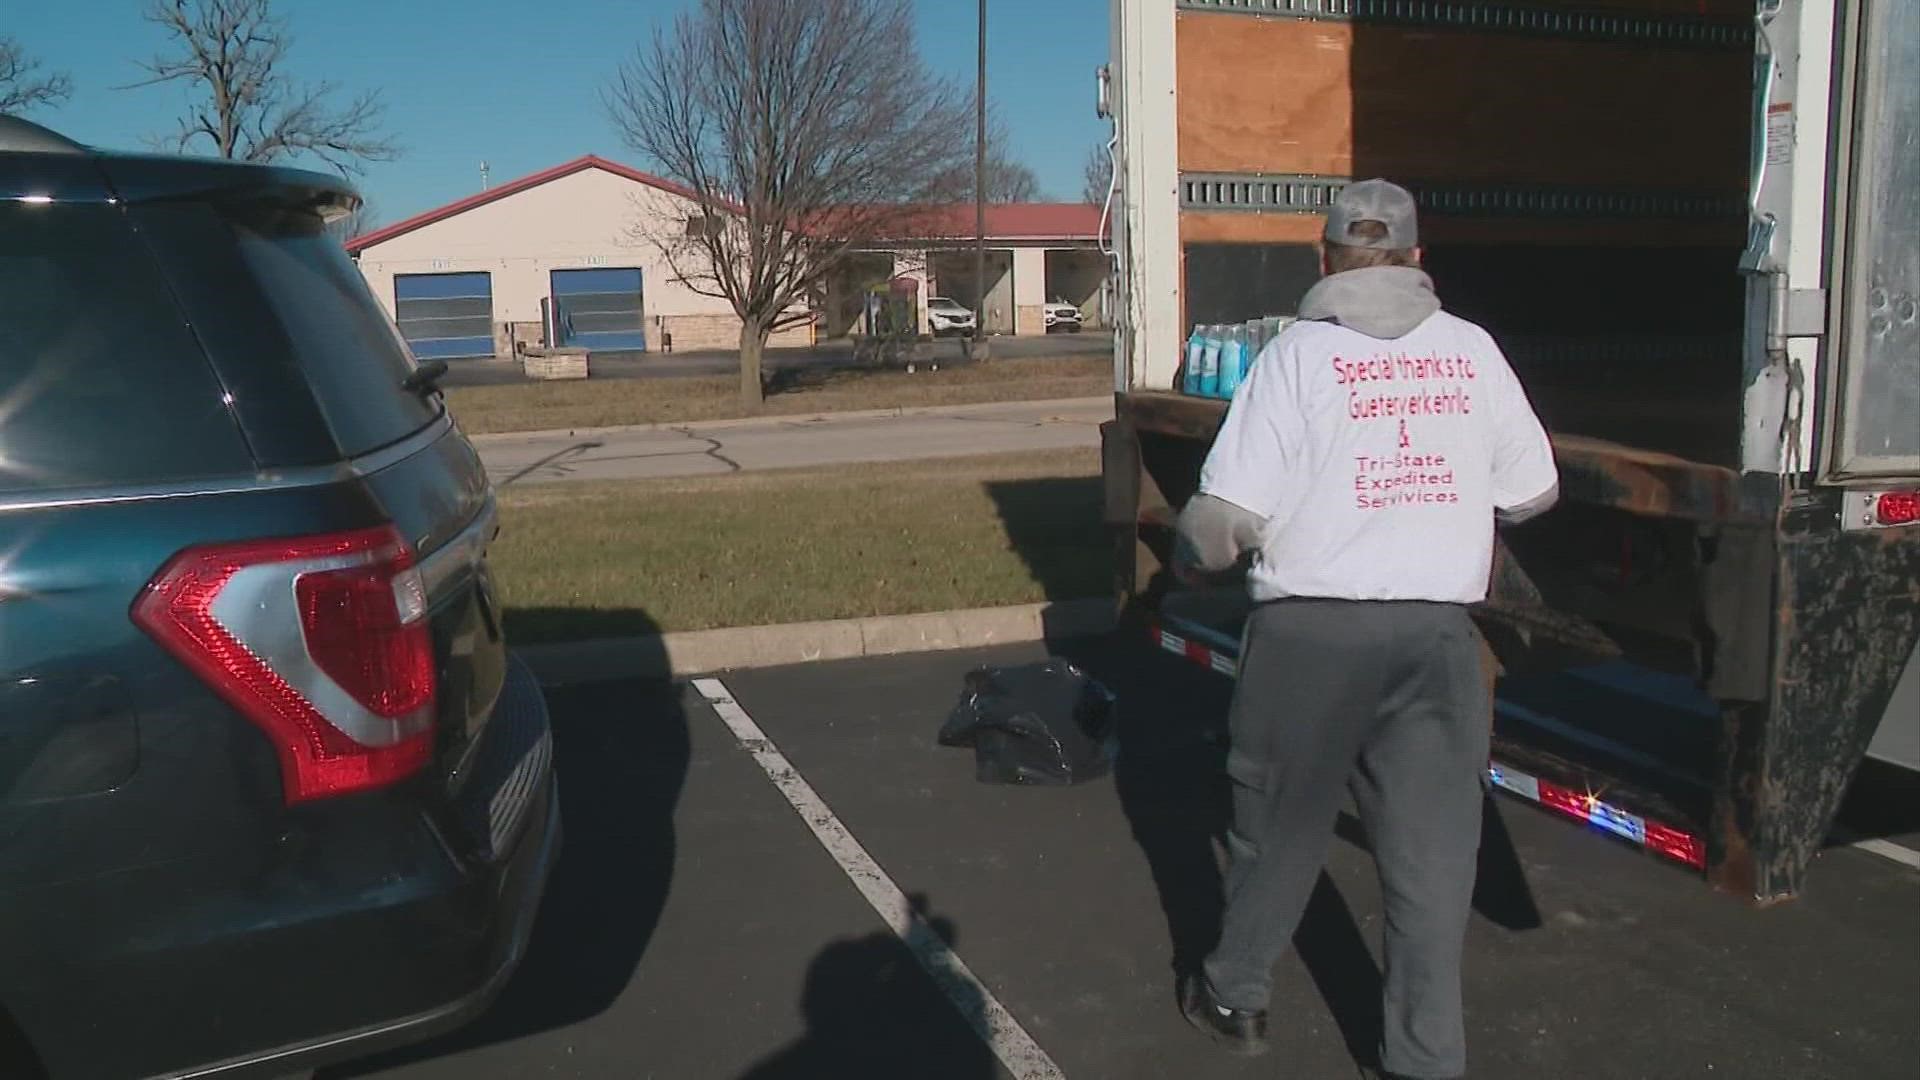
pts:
[1211, 536]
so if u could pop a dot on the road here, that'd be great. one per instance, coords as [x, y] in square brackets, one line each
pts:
[698, 927]
[828, 354]
[829, 439]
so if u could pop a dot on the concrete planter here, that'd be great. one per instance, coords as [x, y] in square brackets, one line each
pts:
[556, 363]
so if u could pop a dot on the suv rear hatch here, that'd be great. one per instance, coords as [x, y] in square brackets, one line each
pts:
[319, 376]
[190, 366]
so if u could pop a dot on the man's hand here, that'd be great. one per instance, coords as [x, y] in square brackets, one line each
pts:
[1211, 536]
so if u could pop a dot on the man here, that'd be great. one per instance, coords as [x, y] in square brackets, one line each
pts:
[1361, 468]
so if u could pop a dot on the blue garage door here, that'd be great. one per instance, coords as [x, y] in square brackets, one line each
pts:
[445, 316]
[600, 308]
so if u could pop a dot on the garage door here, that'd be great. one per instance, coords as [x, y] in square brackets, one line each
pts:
[600, 308]
[445, 316]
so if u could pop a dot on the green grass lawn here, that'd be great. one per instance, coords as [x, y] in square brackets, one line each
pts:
[579, 561]
[592, 403]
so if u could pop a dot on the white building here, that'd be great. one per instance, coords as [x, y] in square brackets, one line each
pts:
[569, 253]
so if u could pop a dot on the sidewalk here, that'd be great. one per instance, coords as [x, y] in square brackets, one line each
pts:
[724, 446]
[837, 353]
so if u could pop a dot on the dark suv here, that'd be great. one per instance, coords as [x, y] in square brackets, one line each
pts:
[272, 791]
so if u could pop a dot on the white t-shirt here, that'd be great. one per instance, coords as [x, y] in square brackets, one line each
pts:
[1379, 464]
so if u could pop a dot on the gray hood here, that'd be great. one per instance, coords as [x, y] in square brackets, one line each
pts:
[1379, 301]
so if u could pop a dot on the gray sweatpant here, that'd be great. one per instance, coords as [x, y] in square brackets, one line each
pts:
[1388, 701]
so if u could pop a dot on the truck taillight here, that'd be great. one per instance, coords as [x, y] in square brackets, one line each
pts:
[1897, 507]
[322, 642]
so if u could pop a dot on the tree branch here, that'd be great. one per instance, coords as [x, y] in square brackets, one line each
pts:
[21, 89]
[231, 54]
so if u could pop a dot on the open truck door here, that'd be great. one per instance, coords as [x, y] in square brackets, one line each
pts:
[1694, 236]
[1832, 409]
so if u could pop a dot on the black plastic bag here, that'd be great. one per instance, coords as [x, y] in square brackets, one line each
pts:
[1042, 724]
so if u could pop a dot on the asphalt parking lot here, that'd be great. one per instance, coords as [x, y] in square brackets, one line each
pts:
[697, 927]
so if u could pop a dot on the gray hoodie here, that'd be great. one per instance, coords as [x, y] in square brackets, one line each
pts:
[1381, 301]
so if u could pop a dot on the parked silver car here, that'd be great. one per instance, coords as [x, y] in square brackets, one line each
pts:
[945, 316]
[1063, 317]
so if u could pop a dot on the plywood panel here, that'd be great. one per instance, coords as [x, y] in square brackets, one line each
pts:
[1332, 98]
[1250, 228]
[1263, 95]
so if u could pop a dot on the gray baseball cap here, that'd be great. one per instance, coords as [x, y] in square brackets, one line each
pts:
[1374, 200]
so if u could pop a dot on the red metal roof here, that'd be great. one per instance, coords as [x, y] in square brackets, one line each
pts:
[1016, 221]
[514, 187]
[1007, 221]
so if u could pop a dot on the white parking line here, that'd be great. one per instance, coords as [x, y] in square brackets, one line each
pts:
[1887, 849]
[989, 1019]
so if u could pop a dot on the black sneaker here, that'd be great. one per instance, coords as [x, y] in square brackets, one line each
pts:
[1241, 1031]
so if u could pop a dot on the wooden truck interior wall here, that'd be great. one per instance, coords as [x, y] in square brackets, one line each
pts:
[1625, 328]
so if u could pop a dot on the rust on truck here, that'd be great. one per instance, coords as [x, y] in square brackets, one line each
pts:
[1845, 617]
[1647, 482]
[1592, 471]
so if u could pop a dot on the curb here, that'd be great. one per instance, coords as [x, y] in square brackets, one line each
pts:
[498, 437]
[696, 652]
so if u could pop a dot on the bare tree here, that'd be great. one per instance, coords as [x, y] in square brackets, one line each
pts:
[231, 53]
[21, 87]
[1011, 182]
[1097, 175]
[1008, 181]
[804, 130]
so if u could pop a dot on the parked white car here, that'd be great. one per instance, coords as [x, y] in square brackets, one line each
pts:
[1062, 316]
[945, 316]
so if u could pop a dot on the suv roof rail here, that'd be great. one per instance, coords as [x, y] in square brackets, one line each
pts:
[25, 136]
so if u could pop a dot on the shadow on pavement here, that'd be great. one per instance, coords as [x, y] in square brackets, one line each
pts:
[1171, 780]
[1054, 524]
[535, 625]
[1170, 775]
[1883, 801]
[621, 753]
[873, 1014]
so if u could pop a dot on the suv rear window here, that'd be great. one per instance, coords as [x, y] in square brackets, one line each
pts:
[101, 384]
[353, 356]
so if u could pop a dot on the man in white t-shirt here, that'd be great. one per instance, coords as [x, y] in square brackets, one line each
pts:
[1361, 469]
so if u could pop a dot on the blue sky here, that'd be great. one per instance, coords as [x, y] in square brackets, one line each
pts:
[516, 82]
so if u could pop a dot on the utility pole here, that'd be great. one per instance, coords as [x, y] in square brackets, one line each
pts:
[980, 196]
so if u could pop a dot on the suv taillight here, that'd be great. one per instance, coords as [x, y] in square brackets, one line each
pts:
[321, 641]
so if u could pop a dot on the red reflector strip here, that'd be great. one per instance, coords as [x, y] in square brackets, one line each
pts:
[1565, 800]
[1581, 806]
[1897, 507]
[1675, 844]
